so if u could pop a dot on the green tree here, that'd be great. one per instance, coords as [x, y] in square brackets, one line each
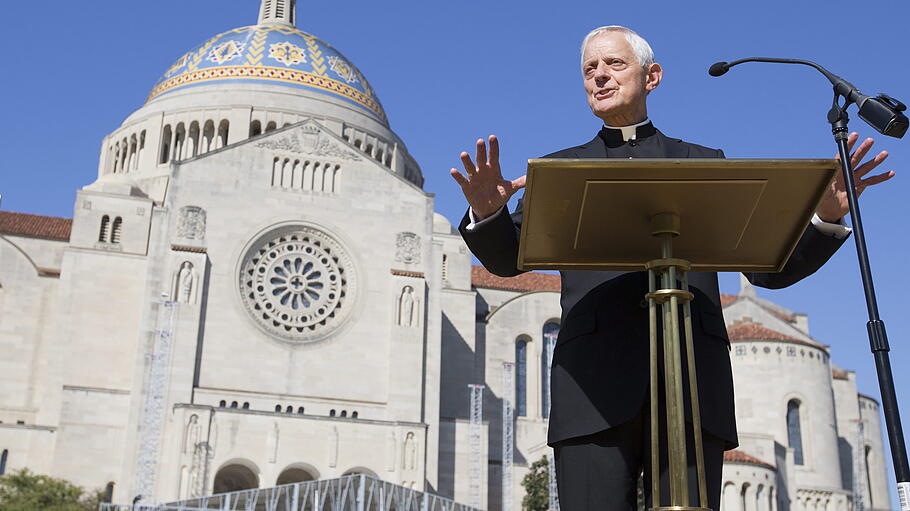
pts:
[537, 486]
[24, 491]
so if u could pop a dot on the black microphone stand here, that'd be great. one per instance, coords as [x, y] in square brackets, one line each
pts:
[878, 338]
[881, 115]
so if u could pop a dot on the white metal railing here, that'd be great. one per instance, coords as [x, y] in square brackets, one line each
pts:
[357, 492]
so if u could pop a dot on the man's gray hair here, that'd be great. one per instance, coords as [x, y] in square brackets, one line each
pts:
[642, 50]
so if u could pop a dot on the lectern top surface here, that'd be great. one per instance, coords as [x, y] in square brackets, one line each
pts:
[736, 215]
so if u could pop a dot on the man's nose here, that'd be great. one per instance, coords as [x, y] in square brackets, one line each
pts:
[601, 74]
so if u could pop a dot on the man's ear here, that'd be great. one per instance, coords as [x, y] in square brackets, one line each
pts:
[654, 75]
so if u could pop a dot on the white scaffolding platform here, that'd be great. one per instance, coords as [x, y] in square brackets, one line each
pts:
[358, 492]
[508, 433]
[159, 359]
[475, 437]
[549, 346]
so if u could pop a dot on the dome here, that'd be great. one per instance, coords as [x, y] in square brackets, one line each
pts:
[276, 54]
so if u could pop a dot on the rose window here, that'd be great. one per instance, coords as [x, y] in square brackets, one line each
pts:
[297, 284]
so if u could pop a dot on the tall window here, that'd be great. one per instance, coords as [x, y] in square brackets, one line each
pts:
[521, 378]
[105, 228]
[115, 230]
[868, 452]
[550, 332]
[3, 461]
[794, 431]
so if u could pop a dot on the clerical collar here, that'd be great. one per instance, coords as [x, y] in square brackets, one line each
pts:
[617, 135]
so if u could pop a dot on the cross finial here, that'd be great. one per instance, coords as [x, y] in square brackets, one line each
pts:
[278, 12]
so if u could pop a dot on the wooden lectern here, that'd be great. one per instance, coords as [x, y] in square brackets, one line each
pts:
[669, 217]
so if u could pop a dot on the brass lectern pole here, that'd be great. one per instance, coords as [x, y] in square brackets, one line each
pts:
[665, 226]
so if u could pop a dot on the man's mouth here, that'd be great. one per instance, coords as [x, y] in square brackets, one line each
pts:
[603, 94]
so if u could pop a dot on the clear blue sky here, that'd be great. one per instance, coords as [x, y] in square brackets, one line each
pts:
[450, 72]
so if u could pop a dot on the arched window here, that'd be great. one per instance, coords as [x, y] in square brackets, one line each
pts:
[354, 415]
[108, 493]
[115, 230]
[521, 378]
[223, 129]
[277, 408]
[234, 404]
[105, 228]
[270, 126]
[208, 134]
[344, 413]
[246, 405]
[165, 144]
[299, 410]
[3, 458]
[193, 140]
[222, 404]
[331, 413]
[255, 128]
[794, 431]
[550, 332]
[289, 409]
[179, 141]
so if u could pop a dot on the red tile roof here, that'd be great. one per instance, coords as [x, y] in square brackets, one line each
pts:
[839, 374]
[737, 456]
[727, 299]
[756, 332]
[36, 226]
[531, 281]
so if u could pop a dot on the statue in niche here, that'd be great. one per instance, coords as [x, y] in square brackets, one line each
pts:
[409, 453]
[191, 435]
[333, 448]
[407, 307]
[390, 453]
[407, 248]
[191, 223]
[185, 283]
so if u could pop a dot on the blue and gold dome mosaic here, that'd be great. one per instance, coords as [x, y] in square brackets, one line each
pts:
[272, 54]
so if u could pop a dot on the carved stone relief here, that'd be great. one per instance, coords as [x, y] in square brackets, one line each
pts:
[311, 140]
[407, 248]
[191, 223]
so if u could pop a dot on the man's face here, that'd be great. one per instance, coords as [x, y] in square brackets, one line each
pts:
[615, 83]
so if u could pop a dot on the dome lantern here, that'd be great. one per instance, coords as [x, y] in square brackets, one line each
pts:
[278, 12]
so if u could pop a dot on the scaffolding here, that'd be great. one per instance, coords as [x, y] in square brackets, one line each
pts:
[859, 466]
[358, 492]
[508, 433]
[475, 439]
[549, 346]
[155, 399]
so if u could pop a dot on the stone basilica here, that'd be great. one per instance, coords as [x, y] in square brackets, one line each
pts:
[256, 291]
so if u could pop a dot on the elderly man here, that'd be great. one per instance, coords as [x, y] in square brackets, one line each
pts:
[599, 417]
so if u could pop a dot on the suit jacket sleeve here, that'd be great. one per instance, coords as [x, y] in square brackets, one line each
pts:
[496, 242]
[812, 251]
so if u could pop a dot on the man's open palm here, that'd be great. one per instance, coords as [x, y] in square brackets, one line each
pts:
[484, 187]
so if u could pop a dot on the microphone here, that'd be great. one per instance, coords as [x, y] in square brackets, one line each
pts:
[882, 112]
[718, 68]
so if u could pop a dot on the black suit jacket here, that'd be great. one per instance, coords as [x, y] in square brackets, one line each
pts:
[600, 373]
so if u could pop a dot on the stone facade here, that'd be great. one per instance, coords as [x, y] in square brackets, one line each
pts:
[256, 290]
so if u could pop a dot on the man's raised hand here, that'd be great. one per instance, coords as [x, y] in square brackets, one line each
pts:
[834, 204]
[484, 187]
